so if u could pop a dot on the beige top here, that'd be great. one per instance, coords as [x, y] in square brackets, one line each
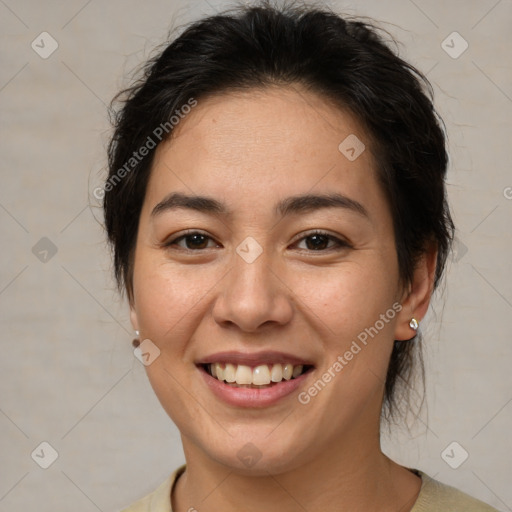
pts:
[433, 497]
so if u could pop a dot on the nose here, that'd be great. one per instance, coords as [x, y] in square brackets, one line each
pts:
[253, 295]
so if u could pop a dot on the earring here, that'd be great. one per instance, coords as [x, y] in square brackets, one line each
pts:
[413, 324]
[136, 341]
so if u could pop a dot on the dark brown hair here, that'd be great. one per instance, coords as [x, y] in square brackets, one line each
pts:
[346, 60]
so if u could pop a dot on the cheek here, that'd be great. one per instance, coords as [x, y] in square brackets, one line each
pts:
[352, 313]
[169, 304]
[168, 299]
[350, 297]
[351, 308]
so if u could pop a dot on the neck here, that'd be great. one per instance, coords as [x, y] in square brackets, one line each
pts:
[354, 475]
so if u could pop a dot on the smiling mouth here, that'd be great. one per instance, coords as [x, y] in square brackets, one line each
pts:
[258, 377]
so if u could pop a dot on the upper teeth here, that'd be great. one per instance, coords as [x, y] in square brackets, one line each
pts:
[259, 376]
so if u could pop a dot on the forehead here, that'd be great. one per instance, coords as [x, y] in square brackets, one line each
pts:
[275, 141]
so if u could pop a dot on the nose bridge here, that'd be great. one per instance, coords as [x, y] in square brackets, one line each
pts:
[252, 293]
[250, 273]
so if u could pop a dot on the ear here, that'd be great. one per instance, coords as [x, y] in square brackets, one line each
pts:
[416, 299]
[133, 318]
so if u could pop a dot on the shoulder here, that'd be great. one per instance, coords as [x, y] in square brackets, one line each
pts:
[437, 497]
[160, 499]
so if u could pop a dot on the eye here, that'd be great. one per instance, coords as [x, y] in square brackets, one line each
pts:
[194, 240]
[317, 241]
[322, 241]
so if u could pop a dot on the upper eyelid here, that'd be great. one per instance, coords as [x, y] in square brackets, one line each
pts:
[173, 239]
[320, 232]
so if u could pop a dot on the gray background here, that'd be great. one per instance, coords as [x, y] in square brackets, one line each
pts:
[68, 372]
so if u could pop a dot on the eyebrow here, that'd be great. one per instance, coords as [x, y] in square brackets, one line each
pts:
[291, 205]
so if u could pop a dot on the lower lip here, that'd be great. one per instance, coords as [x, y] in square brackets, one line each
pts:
[252, 397]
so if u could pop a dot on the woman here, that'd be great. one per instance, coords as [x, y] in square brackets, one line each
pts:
[277, 211]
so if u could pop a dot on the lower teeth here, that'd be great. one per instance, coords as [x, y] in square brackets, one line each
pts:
[253, 386]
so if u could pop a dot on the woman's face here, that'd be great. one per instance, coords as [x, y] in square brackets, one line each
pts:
[239, 278]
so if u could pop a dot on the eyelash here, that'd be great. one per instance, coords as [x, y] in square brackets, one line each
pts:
[339, 244]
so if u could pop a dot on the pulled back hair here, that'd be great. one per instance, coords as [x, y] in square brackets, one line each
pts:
[346, 60]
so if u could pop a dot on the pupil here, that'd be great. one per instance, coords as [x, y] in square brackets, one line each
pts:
[320, 242]
[198, 241]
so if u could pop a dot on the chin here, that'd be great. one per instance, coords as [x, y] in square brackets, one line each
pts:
[257, 453]
[250, 461]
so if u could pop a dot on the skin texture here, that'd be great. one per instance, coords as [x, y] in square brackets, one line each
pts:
[251, 150]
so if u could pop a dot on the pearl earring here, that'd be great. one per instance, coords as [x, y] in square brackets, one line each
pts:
[413, 324]
[137, 333]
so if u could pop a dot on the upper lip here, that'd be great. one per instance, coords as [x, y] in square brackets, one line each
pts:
[253, 359]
